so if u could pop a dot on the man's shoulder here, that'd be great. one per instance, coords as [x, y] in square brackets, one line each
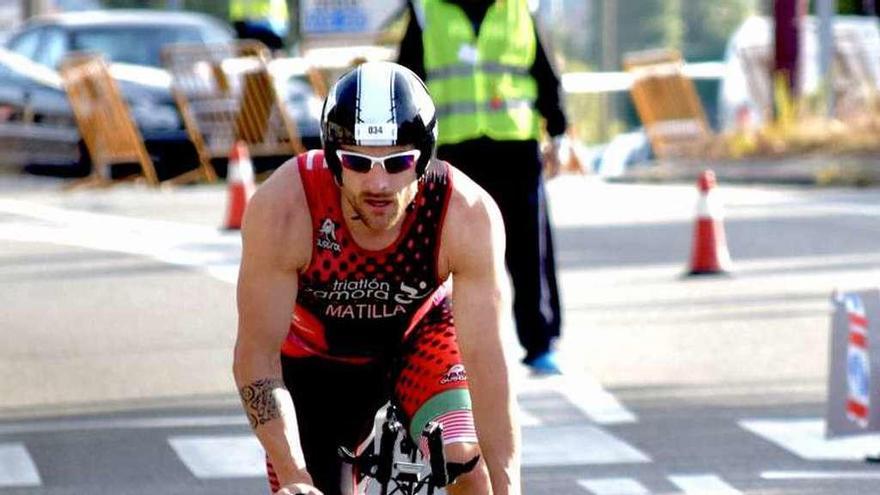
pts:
[465, 189]
[468, 201]
[297, 174]
[277, 218]
[281, 197]
[474, 227]
[285, 184]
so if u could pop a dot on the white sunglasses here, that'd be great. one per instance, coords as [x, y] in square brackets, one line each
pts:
[393, 163]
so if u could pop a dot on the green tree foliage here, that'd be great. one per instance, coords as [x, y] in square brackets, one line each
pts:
[698, 28]
[848, 7]
[648, 24]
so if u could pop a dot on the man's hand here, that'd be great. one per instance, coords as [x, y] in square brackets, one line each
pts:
[298, 489]
[550, 155]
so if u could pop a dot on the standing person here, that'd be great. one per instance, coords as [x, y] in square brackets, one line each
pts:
[492, 82]
[359, 241]
[262, 20]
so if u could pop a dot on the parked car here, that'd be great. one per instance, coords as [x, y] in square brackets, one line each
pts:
[128, 36]
[36, 122]
[132, 42]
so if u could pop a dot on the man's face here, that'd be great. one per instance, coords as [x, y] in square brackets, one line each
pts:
[378, 198]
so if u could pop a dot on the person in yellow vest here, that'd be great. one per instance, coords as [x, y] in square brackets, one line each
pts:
[492, 82]
[262, 20]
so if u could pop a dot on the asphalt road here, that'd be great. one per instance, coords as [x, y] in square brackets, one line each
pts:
[118, 322]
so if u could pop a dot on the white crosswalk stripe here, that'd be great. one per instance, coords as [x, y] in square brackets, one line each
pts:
[574, 445]
[221, 456]
[528, 419]
[17, 469]
[584, 392]
[806, 439]
[703, 484]
[695, 484]
[614, 486]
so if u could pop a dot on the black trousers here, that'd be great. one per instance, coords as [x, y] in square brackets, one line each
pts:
[510, 171]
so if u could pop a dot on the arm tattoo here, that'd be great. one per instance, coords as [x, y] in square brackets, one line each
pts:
[259, 401]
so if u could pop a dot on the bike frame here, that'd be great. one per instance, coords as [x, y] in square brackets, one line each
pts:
[406, 478]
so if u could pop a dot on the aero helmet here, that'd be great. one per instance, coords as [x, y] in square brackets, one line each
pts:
[378, 104]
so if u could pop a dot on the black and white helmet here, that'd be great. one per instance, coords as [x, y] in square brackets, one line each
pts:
[378, 104]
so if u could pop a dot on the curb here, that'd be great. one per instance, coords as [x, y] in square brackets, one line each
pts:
[811, 170]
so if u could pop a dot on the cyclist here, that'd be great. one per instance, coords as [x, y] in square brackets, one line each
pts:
[347, 256]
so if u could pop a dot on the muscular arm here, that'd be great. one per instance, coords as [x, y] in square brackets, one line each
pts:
[272, 253]
[480, 300]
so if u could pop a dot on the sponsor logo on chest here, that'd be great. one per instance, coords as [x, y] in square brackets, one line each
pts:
[327, 236]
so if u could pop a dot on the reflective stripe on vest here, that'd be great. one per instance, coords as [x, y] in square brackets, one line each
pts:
[481, 85]
[488, 107]
[464, 70]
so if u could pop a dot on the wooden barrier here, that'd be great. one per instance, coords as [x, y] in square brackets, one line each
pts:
[226, 93]
[105, 124]
[668, 104]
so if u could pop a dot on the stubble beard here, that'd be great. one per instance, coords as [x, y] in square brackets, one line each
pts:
[381, 222]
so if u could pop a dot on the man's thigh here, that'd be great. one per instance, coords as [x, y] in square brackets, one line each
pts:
[335, 406]
[431, 383]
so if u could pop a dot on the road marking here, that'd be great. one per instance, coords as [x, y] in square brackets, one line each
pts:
[820, 475]
[842, 208]
[227, 456]
[703, 484]
[806, 439]
[614, 486]
[585, 393]
[122, 424]
[528, 419]
[575, 445]
[239, 456]
[16, 466]
[215, 252]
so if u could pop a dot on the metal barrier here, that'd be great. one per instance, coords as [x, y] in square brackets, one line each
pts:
[226, 93]
[667, 103]
[105, 124]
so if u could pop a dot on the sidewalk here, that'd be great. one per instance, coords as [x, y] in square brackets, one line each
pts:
[818, 169]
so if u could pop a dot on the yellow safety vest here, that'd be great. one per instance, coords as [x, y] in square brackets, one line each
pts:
[481, 86]
[258, 9]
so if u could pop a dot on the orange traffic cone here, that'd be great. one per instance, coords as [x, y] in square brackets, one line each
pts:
[240, 185]
[709, 254]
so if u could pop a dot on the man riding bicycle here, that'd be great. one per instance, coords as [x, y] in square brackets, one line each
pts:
[360, 242]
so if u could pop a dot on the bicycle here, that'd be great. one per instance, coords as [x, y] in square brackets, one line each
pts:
[405, 477]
